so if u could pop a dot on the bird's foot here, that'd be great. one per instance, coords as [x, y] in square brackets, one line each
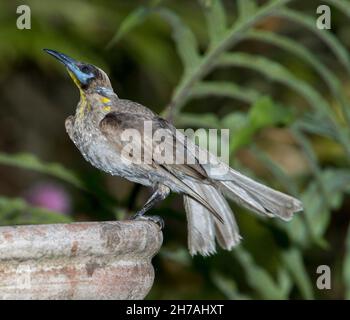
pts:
[156, 219]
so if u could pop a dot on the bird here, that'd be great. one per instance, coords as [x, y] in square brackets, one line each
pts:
[97, 127]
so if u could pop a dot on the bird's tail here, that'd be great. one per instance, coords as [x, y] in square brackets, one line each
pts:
[258, 197]
[204, 227]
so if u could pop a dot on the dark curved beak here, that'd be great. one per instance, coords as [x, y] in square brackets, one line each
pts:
[71, 64]
[66, 60]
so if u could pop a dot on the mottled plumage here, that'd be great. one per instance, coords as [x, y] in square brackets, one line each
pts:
[96, 129]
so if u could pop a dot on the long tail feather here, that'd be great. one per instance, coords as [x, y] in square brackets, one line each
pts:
[227, 233]
[260, 198]
[247, 192]
[200, 225]
[203, 227]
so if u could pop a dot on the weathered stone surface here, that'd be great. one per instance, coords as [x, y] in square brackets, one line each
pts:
[93, 260]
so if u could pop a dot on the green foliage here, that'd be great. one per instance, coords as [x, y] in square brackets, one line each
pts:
[208, 61]
[29, 161]
[206, 120]
[132, 20]
[186, 43]
[260, 280]
[335, 183]
[223, 89]
[276, 72]
[56, 170]
[262, 114]
[265, 112]
[17, 211]
[216, 19]
[246, 8]
[228, 287]
[309, 23]
[295, 265]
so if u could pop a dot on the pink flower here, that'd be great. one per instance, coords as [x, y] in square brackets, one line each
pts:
[49, 196]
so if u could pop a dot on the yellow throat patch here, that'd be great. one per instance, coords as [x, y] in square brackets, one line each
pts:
[84, 103]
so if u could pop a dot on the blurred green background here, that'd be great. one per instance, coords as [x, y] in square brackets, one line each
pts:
[260, 68]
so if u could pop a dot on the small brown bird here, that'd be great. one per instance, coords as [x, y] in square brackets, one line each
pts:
[97, 129]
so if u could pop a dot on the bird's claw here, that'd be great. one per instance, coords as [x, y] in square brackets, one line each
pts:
[156, 219]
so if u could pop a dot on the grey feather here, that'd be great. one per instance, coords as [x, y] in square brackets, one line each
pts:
[227, 233]
[200, 226]
[203, 227]
[260, 198]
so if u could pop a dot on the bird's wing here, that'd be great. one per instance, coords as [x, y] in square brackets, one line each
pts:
[125, 132]
[162, 146]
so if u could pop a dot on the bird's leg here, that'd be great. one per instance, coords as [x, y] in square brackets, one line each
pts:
[160, 194]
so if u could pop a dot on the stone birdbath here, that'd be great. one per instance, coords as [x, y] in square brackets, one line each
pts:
[90, 260]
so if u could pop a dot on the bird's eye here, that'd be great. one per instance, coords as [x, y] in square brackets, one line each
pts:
[85, 69]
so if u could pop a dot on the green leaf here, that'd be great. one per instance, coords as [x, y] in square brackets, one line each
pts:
[228, 287]
[185, 40]
[17, 211]
[299, 231]
[242, 138]
[246, 8]
[316, 214]
[265, 112]
[312, 161]
[180, 255]
[208, 61]
[309, 22]
[306, 55]
[284, 281]
[317, 123]
[337, 180]
[206, 120]
[279, 73]
[316, 211]
[342, 5]
[224, 89]
[29, 161]
[260, 280]
[286, 181]
[235, 121]
[241, 133]
[294, 263]
[132, 20]
[216, 20]
[276, 72]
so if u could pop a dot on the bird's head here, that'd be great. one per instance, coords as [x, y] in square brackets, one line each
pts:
[86, 76]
